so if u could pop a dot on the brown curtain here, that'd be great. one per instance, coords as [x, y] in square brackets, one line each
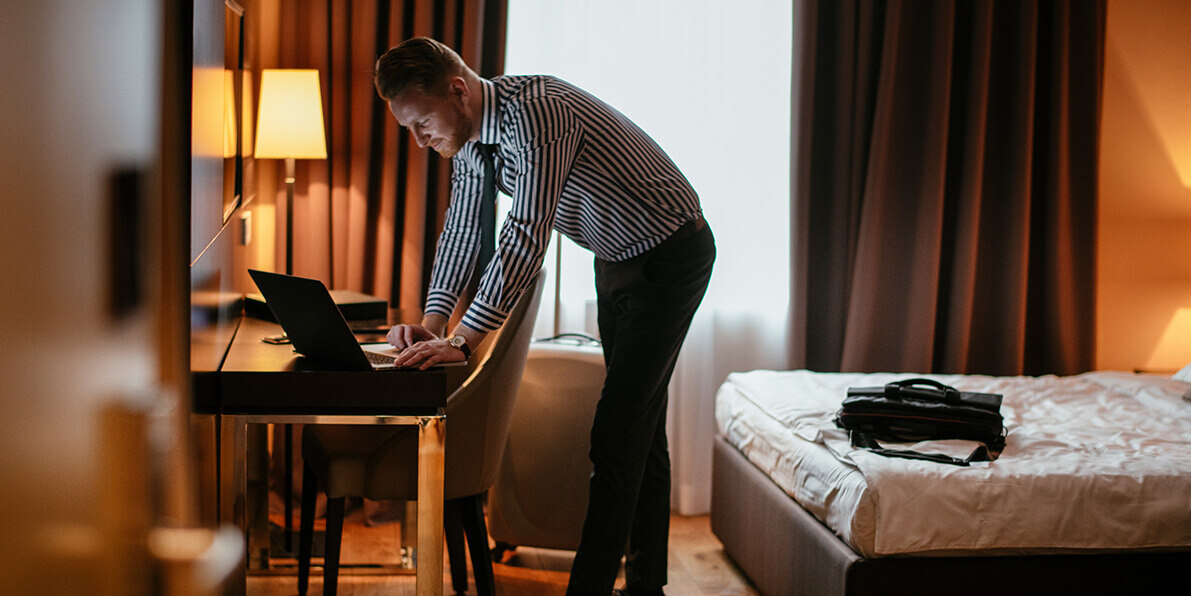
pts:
[944, 185]
[367, 217]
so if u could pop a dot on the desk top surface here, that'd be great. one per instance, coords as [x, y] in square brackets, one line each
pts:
[261, 378]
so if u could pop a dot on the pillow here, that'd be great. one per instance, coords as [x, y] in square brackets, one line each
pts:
[1184, 375]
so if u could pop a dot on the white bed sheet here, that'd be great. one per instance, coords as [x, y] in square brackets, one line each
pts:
[1093, 462]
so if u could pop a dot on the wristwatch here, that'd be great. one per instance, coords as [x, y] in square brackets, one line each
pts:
[458, 341]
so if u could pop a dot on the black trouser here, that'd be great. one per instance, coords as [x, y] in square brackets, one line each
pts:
[646, 304]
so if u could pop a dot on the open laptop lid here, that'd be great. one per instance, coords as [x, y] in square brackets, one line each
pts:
[308, 314]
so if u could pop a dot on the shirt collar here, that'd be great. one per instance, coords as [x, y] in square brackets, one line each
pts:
[489, 113]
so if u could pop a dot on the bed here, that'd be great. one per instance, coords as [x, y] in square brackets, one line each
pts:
[1092, 493]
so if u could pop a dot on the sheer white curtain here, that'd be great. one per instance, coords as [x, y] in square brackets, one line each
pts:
[710, 81]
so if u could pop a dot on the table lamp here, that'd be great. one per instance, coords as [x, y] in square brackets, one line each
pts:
[1174, 348]
[289, 126]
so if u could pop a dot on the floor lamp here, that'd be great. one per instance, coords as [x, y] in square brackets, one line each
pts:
[289, 126]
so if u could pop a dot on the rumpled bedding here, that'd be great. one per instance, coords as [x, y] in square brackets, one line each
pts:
[1098, 462]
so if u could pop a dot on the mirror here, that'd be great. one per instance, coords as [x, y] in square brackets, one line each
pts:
[233, 108]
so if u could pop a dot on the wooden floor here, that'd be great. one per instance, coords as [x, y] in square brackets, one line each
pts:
[698, 566]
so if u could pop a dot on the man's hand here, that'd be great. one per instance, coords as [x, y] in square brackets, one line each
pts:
[427, 353]
[404, 336]
[424, 345]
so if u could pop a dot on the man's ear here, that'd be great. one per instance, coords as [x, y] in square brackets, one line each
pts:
[458, 88]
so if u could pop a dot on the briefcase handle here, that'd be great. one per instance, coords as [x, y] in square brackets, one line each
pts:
[933, 390]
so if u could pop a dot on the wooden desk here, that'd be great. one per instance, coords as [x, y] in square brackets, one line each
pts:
[261, 383]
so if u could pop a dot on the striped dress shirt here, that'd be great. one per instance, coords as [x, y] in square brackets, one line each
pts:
[571, 163]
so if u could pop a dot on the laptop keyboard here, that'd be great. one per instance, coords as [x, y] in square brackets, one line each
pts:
[378, 358]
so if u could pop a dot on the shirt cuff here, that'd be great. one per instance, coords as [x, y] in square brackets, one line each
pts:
[441, 302]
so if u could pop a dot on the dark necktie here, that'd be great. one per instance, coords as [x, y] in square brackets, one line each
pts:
[487, 207]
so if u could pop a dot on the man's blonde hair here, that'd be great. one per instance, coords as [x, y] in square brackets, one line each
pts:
[419, 63]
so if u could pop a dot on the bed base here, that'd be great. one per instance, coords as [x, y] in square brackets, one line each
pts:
[783, 549]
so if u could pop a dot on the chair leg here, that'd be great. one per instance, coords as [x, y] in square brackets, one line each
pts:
[306, 529]
[288, 490]
[335, 510]
[453, 531]
[472, 509]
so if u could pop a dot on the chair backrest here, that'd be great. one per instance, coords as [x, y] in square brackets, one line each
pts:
[480, 412]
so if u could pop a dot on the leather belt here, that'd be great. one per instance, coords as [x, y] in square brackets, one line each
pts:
[688, 229]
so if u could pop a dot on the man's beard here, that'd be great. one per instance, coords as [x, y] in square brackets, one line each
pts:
[459, 136]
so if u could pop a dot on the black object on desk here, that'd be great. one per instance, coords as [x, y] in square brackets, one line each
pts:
[355, 306]
[307, 312]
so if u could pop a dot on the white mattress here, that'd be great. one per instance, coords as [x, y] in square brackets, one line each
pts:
[1094, 462]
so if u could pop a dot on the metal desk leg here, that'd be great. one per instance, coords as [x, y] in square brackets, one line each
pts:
[233, 484]
[256, 501]
[430, 506]
[241, 448]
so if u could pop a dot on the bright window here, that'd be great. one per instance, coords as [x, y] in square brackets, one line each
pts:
[710, 81]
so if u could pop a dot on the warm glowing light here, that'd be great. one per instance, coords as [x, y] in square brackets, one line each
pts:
[290, 117]
[1152, 41]
[247, 128]
[229, 114]
[207, 105]
[1174, 349]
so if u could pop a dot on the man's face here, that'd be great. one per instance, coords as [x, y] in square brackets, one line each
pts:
[440, 123]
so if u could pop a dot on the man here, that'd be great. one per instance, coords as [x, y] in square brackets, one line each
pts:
[574, 164]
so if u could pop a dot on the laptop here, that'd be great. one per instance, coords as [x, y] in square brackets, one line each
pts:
[314, 325]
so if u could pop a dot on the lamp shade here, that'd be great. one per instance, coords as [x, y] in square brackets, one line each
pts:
[289, 122]
[1174, 349]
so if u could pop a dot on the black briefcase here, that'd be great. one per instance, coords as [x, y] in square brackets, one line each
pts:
[921, 409]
